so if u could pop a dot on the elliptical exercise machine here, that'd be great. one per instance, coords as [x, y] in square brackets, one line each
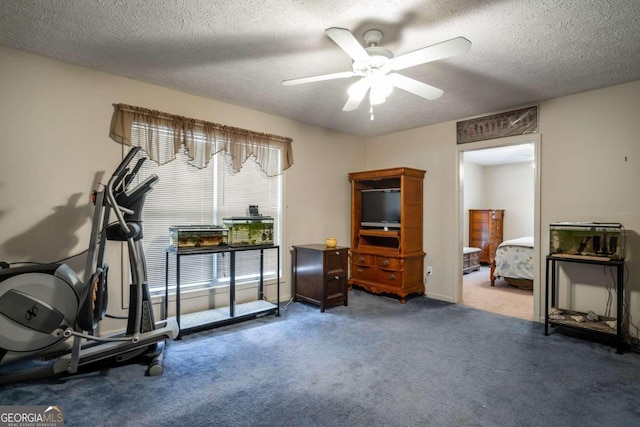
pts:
[42, 306]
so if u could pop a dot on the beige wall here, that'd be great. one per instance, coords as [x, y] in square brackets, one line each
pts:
[589, 166]
[432, 149]
[54, 121]
[54, 126]
[473, 192]
[511, 187]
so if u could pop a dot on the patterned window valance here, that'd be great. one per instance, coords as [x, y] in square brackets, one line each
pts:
[153, 130]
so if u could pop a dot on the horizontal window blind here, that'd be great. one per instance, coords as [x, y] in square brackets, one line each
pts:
[234, 193]
[185, 195]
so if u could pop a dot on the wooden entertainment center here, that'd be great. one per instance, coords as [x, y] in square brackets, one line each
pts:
[388, 260]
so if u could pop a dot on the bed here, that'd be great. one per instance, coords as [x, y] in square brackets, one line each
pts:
[514, 262]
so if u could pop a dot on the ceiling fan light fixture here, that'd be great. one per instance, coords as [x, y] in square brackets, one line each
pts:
[381, 88]
[376, 67]
[373, 100]
[354, 89]
[376, 97]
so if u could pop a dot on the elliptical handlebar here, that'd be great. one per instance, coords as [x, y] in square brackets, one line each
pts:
[117, 183]
[127, 159]
[115, 180]
[133, 173]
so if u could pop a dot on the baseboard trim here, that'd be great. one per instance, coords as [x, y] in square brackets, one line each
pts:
[440, 297]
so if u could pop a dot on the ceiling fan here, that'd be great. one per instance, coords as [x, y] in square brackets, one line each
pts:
[375, 66]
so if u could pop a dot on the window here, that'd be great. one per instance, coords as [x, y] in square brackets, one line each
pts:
[185, 195]
[209, 172]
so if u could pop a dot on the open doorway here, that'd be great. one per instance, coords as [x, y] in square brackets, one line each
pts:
[498, 179]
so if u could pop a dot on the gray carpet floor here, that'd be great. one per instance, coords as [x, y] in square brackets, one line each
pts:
[374, 363]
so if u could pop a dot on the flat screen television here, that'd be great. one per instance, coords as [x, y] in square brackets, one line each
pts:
[380, 208]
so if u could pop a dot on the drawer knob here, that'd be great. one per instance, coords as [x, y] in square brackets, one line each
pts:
[392, 277]
[337, 277]
[359, 270]
[337, 253]
[386, 262]
[361, 259]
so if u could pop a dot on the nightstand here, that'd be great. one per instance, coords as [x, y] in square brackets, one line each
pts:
[320, 274]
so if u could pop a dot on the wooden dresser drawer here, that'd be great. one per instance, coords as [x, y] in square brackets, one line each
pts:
[336, 260]
[363, 259]
[335, 288]
[389, 278]
[363, 272]
[389, 263]
[377, 275]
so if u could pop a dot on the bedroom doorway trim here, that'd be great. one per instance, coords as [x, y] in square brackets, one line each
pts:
[494, 143]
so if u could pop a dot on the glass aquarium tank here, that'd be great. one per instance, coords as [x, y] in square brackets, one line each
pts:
[591, 240]
[249, 230]
[194, 237]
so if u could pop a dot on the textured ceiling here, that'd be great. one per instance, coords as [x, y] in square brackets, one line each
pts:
[239, 51]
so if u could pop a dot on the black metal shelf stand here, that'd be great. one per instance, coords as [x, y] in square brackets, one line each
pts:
[595, 328]
[207, 319]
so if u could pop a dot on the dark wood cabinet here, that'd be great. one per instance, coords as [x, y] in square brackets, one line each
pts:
[388, 261]
[485, 232]
[320, 274]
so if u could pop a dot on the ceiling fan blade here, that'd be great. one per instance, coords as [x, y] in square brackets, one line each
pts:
[341, 75]
[415, 87]
[343, 38]
[356, 94]
[446, 49]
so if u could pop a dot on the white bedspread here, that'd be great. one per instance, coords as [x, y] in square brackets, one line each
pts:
[514, 258]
